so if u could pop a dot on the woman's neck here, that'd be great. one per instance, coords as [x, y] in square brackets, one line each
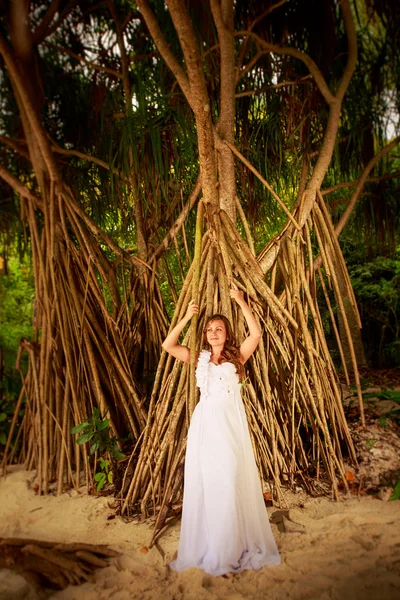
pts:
[216, 351]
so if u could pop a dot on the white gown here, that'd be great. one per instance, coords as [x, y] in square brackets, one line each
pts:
[225, 525]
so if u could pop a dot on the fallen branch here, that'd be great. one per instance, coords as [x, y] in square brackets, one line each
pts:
[51, 565]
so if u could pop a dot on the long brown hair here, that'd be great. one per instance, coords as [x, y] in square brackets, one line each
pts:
[231, 350]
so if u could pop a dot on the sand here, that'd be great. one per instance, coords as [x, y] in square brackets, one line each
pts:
[346, 550]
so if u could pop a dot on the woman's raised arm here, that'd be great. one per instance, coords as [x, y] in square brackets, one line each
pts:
[253, 339]
[170, 344]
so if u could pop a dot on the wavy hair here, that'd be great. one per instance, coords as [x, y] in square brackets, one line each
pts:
[231, 350]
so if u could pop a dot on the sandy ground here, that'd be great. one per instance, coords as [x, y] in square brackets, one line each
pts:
[347, 550]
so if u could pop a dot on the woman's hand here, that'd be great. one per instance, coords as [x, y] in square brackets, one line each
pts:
[191, 309]
[237, 294]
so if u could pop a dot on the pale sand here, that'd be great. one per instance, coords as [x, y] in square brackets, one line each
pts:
[348, 551]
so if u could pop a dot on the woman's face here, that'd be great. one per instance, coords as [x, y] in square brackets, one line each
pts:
[216, 333]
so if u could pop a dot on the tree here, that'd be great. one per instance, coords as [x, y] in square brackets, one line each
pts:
[213, 84]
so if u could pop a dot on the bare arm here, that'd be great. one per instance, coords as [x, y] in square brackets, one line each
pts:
[170, 344]
[253, 339]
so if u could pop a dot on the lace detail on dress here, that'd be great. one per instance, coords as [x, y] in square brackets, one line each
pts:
[202, 370]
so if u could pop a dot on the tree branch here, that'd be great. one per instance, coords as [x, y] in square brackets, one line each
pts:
[40, 34]
[199, 99]
[361, 182]
[40, 31]
[224, 25]
[87, 157]
[88, 63]
[328, 144]
[223, 18]
[16, 146]
[163, 246]
[92, 225]
[191, 53]
[300, 55]
[19, 187]
[347, 184]
[357, 192]
[274, 86]
[266, 12]
[265, 183]
[35, 124]
[122, 50]
[241, 73]
[167, 55]
[352, 49]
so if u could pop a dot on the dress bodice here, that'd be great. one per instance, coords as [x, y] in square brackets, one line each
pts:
[216, 380]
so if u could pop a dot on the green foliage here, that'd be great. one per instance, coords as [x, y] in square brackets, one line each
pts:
[16, 308]
[376, 285]
[396, 492]
[3, 431]
[97, 431]
[7, 409]
[103, 476]
[392, 413]
[385, 394]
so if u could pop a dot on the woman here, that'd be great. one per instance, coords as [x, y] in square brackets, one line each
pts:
[225, 526]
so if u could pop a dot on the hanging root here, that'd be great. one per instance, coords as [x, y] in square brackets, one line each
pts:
[292, 394]
[98, 326]
[88, 341]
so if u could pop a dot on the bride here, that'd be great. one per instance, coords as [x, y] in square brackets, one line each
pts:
[225, 526]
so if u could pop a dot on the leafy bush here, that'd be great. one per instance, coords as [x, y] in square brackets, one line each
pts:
[16, 308]
[97, 431]
[7, 409]
[104, 475]
[376, 285]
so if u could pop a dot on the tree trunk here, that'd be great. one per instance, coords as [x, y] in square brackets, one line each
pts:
[292, 380]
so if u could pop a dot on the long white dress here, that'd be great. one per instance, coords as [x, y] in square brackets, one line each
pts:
[225, 526]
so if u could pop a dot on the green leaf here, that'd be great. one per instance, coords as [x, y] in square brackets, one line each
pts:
[110, 477]
[3, 438]
[101, 478]
[104, 464]
[103, 425]
[396, 492]
[115, 453]
[85, 437]
[3, 417]
[80, 427]
[96, 419]
[382, 421]
[94, 447]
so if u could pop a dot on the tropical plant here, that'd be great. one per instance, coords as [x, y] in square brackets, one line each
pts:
[97, 431]
[103, 476]
[16, 316]
[376, 285]
[102, 443]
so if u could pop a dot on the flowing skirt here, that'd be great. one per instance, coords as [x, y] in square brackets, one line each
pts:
[225, 525]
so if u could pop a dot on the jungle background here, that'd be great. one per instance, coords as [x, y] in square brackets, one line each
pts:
[106, 148]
